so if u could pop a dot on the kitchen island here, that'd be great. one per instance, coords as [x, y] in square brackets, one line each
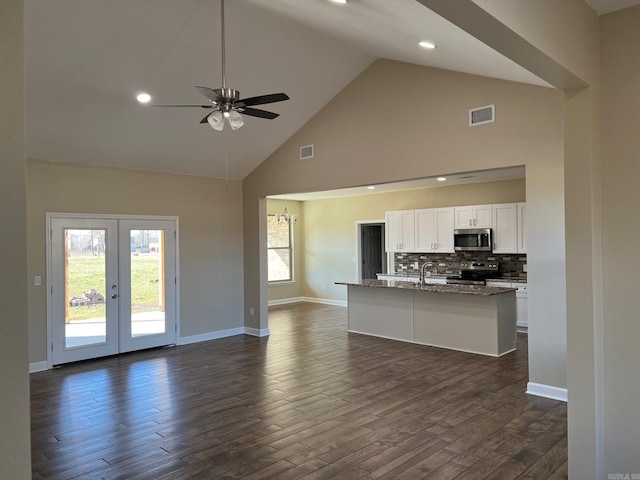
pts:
[467, 318]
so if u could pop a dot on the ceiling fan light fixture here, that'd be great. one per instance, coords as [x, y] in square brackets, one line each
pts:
[235, 119]
[216, 120]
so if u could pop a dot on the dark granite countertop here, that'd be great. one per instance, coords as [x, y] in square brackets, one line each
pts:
[508, 279]
[459, 289]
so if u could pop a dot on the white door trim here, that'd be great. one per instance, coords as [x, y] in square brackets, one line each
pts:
[49, 216]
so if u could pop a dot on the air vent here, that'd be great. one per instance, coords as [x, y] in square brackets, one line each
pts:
[478, 116]
[306, 152]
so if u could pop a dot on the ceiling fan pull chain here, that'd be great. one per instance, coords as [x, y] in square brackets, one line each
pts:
[226, 161]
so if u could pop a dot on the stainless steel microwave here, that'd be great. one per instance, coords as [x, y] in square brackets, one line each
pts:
[472, 240]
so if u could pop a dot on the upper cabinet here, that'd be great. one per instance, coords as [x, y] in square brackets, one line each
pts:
[473, 216]
[430, 230]
[522, 228]
[434, 230]
[510, 228]
[400, 231]
[505, 228]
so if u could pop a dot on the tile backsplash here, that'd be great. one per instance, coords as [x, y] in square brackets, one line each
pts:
[511, 265]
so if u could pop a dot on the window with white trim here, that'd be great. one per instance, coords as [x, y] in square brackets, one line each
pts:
[279, 249]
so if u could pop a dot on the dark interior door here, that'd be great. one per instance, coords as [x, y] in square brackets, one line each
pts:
[371, 247]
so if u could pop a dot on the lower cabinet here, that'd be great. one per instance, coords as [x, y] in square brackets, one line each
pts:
[522, 306]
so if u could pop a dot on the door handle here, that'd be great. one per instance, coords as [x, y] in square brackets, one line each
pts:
[114, 296]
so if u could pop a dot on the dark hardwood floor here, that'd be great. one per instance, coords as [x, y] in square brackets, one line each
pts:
[311, 401]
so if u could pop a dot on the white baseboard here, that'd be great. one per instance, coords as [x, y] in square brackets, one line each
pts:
[38, 367]
[256, 332]
[547, 391]
[325, 301]
[204, 337]
[285, 301]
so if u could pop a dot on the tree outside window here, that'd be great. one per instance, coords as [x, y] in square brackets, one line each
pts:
[279, 250]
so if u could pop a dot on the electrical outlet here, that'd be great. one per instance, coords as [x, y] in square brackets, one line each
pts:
[251, 311]
[37, 281]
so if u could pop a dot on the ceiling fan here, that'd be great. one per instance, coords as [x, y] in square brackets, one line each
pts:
[226, 103]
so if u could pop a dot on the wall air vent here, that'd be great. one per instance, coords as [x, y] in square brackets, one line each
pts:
[481, 115]
[306, 152]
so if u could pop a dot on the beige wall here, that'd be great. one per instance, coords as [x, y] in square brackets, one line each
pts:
[560, 42]
[426, 133]
[15, 455]
[290, 290]
[621, 237]
[330, 226]
[568, 32]
[210, 235]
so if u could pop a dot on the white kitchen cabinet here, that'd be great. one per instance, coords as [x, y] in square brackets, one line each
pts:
[434, 230]
[522, 307]
[522, 228]
[443, 221]
[505, 228]
[400, 231]
[473, 216]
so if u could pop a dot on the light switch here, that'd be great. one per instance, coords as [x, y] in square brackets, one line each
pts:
[37, 281]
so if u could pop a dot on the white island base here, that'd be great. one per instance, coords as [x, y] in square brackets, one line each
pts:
[484, 324]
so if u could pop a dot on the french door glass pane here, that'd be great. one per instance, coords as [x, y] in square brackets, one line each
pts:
[147, 283]
[85, 287]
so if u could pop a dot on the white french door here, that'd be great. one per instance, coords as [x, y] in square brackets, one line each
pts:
[113, 286]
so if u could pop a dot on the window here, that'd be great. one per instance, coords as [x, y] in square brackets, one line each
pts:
[279, 250]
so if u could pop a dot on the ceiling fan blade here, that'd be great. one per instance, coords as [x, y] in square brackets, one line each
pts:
[210, 94]
[262, 99]
[205, 119]
[195, 106]
[254, 112]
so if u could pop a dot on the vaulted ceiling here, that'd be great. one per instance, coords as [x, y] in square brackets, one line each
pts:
[85, 61]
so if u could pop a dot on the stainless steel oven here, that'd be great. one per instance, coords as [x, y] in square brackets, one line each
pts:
[472, 240]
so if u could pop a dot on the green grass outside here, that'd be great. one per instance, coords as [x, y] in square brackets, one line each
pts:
[86, 273]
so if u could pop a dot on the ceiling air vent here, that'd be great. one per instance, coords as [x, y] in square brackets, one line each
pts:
[306, 152]
[478, 116]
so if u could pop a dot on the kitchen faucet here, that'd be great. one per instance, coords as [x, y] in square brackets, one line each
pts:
[422, 274]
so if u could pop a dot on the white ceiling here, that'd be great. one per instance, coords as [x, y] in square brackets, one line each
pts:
[431, 182]
[86, 59]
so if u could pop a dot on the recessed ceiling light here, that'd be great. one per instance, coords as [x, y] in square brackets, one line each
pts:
[442, 179]
[371, 187]
[339, 1]
[425, 44]
[143, 97]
